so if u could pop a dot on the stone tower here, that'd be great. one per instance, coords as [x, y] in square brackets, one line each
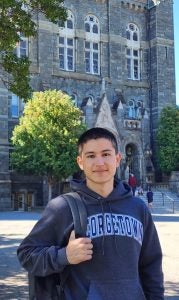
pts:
[161, 60]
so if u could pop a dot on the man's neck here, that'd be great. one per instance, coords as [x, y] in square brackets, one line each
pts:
[102, 189]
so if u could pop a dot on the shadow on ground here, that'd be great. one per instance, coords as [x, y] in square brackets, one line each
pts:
[19, 216]
[14, 292]
[13, 278]
[173, 288]
[165, 218]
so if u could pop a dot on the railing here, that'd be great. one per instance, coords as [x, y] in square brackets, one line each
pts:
[161, 186]
[169, 198]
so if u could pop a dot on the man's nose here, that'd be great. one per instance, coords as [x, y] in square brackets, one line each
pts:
[99, 161]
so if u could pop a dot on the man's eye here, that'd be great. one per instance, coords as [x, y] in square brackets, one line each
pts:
[90, 156]
[106, 154]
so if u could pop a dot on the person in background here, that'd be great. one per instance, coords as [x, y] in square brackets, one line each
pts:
[140, 191]
[150, 198]
[133, 183]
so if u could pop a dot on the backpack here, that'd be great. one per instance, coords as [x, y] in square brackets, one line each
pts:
[51, 287]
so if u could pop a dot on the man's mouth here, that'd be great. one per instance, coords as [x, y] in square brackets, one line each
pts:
[99, 171]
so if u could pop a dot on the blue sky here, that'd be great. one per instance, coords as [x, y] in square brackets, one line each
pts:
[176, 26]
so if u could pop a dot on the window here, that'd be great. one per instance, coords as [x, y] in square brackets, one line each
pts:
[92, 46]
[131, 107]
[14, 106]
[22, 47]
[70, 24]
[95, 28]
[135, 109]
[66, 44]
[128, 35]
[132, 52]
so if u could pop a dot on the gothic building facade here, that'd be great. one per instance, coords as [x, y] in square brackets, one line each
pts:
[116, 60]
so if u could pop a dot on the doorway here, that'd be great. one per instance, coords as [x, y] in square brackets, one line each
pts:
[21, 201]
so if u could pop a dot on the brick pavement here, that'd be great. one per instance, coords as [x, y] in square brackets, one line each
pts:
[15, 225]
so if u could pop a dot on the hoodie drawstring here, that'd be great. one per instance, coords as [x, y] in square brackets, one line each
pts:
[103, 238]
[111, 213]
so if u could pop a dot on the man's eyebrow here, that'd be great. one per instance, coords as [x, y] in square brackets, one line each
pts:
[92, 152]
[107, 150]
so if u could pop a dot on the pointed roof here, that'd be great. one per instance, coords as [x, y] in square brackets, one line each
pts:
[120, 106]
[104, 118]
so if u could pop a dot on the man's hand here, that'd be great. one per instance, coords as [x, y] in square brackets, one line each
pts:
[78, 250]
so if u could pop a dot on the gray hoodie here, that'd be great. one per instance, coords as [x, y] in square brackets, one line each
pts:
[127, 257]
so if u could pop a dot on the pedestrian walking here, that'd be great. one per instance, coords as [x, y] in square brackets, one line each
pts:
[133, 183]
[140, 191]
[120, 257]
[149, 198]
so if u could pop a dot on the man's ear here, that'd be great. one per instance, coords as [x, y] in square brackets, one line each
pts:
[80, 162]
[118, 158]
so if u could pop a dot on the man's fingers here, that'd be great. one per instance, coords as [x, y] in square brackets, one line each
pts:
[81, 240]
[79, 250]
[72, 236]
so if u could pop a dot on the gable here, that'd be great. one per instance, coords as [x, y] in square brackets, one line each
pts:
[104, 118]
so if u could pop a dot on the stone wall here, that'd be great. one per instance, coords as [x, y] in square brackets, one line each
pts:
[156, 87]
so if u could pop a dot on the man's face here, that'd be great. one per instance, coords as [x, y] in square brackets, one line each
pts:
[99, 161]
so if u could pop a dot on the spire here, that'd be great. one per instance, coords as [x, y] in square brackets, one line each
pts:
[104, 118]
[89, 102]
[120, 106]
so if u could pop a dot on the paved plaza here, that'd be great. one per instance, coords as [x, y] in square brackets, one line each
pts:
[15, 225]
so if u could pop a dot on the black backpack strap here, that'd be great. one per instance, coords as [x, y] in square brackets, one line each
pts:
[79, 213]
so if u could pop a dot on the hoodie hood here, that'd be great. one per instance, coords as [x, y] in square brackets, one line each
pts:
[121, 190]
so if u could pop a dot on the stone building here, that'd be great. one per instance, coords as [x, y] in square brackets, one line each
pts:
[116, 60]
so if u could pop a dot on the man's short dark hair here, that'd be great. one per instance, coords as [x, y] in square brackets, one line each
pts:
[94, 134]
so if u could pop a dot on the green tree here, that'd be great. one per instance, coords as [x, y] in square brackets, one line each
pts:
[45, 139]
[18, 18]
[168, 139]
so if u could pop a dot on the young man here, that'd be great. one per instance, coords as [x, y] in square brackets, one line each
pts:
[120, 258]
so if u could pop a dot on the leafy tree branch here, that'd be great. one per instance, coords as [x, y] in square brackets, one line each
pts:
[18, 18]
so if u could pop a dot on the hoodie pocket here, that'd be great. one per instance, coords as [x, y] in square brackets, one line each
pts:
[116, 290]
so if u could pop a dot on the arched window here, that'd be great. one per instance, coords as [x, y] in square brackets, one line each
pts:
[95, 28]
[139, 106]
[131, 109]
[135, 109]
[22, 47]
[87, 27]
[92, 45]
[135, 36]
[66, 44]
[133, 52]
[128, 35]
[92, 24]
[70, 24]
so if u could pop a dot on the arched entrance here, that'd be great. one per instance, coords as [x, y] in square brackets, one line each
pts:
[132, 161]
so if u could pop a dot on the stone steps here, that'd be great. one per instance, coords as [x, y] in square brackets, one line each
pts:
[166, 203]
